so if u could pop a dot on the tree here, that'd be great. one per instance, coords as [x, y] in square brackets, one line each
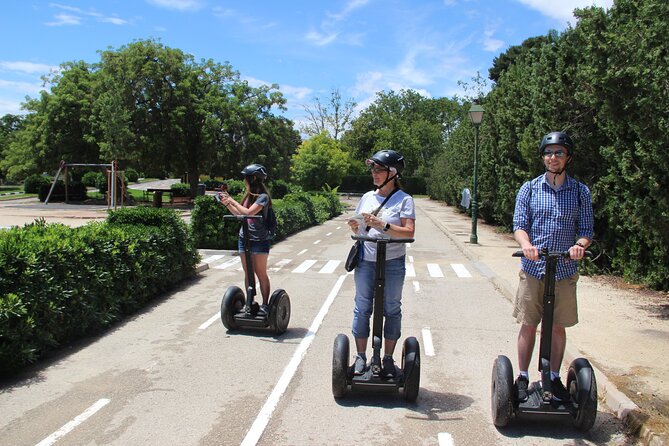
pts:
[334, 117]
[9, 125]
[320, 161]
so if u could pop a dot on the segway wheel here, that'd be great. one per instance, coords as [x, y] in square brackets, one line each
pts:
[340, 368]
[582, 386]
[279, 311]
[411, 368]
[232, 303]
[502, 393]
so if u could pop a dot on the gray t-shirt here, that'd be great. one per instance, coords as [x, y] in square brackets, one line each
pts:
[257, 229]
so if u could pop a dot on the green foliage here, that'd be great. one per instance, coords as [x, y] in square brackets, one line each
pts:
[131, 175]
[33, 183]
[59, 283]
[295, 212]
[318, 161]
[180, 190]
[91, 179]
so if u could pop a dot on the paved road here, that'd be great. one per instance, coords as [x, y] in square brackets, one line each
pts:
[173, 375]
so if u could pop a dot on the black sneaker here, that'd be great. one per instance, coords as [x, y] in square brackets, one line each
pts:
[388, 367]
[359, 365]
[559, 391]
[522, 383]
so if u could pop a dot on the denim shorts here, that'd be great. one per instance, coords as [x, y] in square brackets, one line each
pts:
[392, 301]
[257, 247]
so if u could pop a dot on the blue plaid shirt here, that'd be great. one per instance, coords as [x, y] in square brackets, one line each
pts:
[553, 220]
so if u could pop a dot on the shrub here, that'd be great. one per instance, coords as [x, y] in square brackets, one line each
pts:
[33, 183]
[180, 190]
[131, 175]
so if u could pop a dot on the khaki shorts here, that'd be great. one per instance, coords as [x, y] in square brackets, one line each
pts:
[529, 303]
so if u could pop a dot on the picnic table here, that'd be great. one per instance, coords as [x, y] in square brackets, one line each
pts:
[158, 195]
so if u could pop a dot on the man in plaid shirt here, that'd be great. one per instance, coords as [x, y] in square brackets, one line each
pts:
[553, 211]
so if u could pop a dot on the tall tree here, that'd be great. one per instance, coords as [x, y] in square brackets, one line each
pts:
[333, 115]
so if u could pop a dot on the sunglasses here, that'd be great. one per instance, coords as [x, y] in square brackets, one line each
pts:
[378, 170]
[557, 153]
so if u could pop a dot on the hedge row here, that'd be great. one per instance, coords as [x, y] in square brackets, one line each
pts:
[58, 283]
[294, 212]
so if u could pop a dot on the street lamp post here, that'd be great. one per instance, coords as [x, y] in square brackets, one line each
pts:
[475, 115]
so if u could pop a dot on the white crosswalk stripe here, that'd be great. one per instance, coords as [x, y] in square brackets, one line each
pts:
[460, 270]
[232, 262]
[304, 266]
[330, 267]
[434, 270]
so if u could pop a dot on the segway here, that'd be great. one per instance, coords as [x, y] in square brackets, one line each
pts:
[581, 383]
[407, 377]
[238, 311]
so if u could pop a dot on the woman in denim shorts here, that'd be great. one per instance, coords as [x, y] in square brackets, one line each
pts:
[255, 200]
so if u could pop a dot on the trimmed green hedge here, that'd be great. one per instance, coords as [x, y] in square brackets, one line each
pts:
[295, 212]
[58, 283]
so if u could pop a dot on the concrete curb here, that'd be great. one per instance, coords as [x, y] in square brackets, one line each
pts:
[624, 408]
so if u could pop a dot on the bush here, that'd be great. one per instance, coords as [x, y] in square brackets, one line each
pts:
[91, 179]
[131, 175]
[58, 283]
[180, 190]
[33, 183]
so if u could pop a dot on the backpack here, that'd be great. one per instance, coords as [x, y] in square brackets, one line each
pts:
[270, 221]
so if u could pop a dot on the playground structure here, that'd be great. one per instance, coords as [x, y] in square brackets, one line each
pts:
[115, 181]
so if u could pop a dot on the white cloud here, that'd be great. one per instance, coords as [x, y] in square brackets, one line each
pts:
[114, 20]
[65, 19]
[27, 67]
[330, 27]
[179, 5]
[491, 44]
[563, 10]
[10, 107]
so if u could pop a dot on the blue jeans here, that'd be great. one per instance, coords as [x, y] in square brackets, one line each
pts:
[392, 302]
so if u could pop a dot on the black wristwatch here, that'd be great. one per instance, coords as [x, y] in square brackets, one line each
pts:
[386, 227]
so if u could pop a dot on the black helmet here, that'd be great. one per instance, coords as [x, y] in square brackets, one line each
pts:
[255, 169]
[560, 138]
[388, 158]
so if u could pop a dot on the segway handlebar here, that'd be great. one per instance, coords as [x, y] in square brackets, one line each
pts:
[241, 217]
[564, 254]
[367, 238]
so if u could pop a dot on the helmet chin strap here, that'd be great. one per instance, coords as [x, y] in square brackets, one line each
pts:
[387, 181]
[560, 171]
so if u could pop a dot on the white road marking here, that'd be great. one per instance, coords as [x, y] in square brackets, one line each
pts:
[330, 267]
[416, 286]
[411, 270]
[301, 252]
[211, 320]
[435, 270]
[280, 264]
[304, 266]
[328, 234]
[229, 263]
[445, 439]
[410, 259]
[213, 258]
[427, 342]
[460, 270]
[68, 427]
[261, 421]
[317, 242]
[338, 227]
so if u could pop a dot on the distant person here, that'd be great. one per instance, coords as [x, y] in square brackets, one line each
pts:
[255, 200]
[552, 211]
[396, 218]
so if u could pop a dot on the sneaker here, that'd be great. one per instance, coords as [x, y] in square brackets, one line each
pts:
[388, 367]
[359, 365]
[559, 391]
[522, 383]
[263, 310]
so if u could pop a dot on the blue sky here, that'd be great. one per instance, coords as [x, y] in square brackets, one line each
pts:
[308, 47]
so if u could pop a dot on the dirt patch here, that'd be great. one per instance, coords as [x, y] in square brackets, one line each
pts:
[655, 303]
